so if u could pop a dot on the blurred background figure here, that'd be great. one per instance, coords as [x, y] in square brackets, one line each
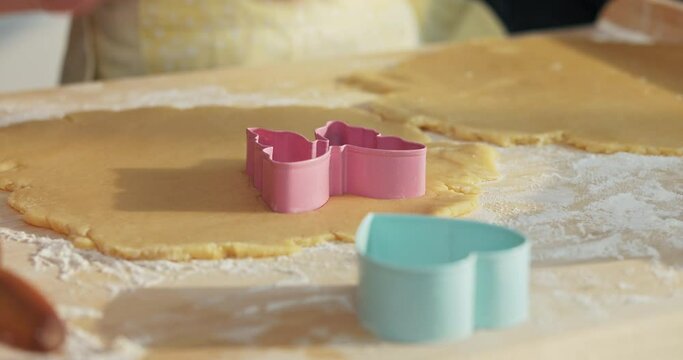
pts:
[174, 35]
[179, 35]
[171, 35]
[119, 38]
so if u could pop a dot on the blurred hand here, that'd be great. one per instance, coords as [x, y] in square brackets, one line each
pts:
[74, 6]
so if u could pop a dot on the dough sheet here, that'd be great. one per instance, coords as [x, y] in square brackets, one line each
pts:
[162, 183]
[601, 98]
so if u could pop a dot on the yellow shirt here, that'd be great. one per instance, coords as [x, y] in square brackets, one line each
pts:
[137, 37]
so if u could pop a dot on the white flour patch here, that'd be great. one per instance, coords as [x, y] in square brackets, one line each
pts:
[295, 271]
[577, 207]
[583, 207]
[16, 111]
[60, 254]
[82, 345]
[334, 300]
[245, 334]
[78, 312]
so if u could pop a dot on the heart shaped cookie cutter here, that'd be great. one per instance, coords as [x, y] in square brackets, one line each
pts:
[427, 279]
[294, 174]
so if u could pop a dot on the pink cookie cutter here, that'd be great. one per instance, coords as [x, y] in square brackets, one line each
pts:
[294, 174]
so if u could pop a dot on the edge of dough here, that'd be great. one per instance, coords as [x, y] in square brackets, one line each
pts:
[454, 199]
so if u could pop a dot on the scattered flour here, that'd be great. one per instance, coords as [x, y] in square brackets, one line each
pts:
[12, 112]
[297, 270]
[82, 345]
[579, 207]
[245, 334]
[60, 254]
[340, 300]
[78, 312]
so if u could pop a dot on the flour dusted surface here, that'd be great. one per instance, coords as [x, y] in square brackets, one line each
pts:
[575, 207]
[606, 231]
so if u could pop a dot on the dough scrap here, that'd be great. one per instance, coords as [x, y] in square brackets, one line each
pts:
[162, 183]
[538, 90]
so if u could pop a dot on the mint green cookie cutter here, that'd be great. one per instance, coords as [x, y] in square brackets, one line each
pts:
[425, 279]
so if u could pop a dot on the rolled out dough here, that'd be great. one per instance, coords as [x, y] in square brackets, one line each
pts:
[161, 183]
[539, 90]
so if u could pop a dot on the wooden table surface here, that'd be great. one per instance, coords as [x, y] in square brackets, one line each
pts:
[593, 299]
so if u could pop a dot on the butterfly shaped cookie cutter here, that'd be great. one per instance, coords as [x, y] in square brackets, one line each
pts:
[428, 279]
[294, 174]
